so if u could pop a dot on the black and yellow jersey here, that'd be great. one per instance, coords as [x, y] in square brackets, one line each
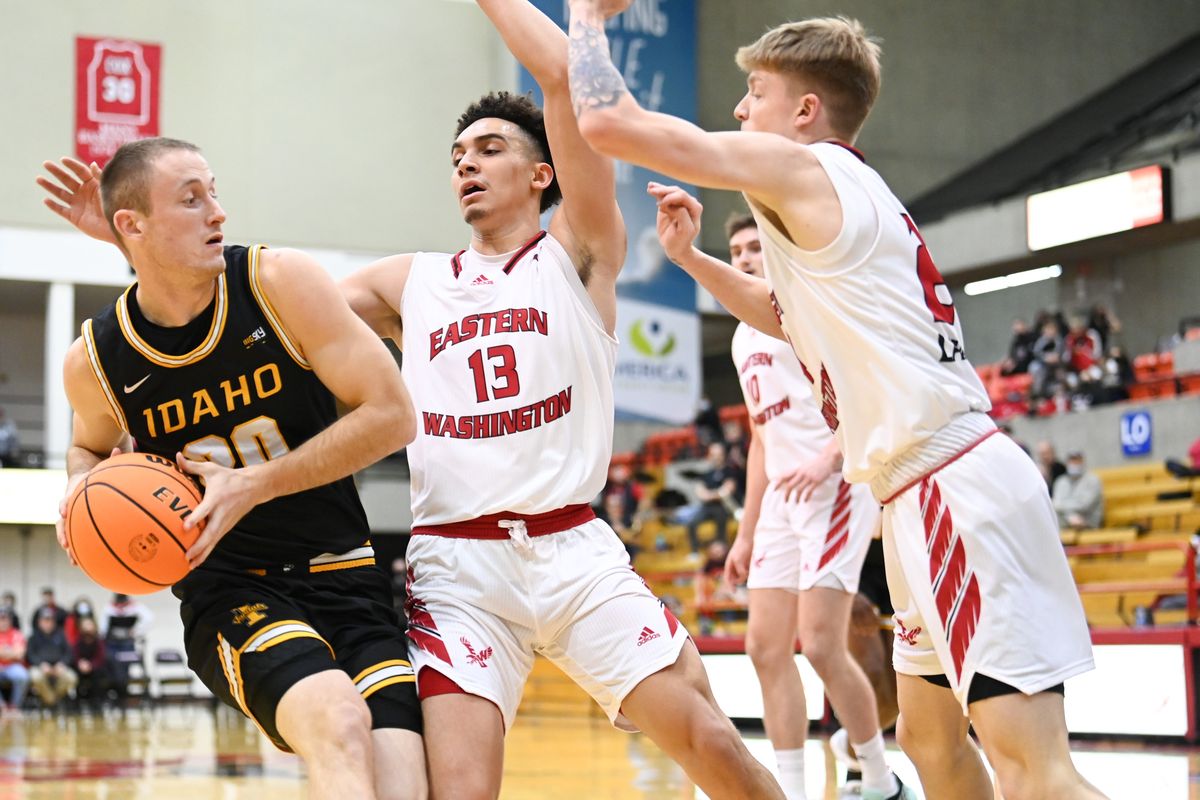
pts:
[230, 386]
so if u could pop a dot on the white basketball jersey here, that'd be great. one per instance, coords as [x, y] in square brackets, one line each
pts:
[510, 370]
[780, 401]
[872, 321]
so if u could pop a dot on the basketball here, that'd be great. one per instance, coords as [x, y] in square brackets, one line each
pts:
[124, 523]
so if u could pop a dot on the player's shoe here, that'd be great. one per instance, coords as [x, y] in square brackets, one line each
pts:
[901, 793]
[852, 788]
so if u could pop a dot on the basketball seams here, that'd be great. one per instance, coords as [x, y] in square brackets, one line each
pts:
[172, 472]
[145, 511]
[100, 535]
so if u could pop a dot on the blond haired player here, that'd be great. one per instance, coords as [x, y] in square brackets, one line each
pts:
[988, 621]
[509, 350]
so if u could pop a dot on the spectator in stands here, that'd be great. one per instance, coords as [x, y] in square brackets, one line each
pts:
[1083, 350]
[707, 422]
[10, 442]
[1048, 464]
[1078, 495]
[1118, 375]
[48, 603]
[1181, 470]
[8, 602]
[737, 446]
[125, 622]
[1020, 349]
[49, 658]
[715, 491]
[12, 663]
[620, 484]
[89, 662]
[1046, 366]
[614, 515]
[1105, 323]
[80, 611]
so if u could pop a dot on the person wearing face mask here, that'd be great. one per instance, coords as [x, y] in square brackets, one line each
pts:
[1078, 495]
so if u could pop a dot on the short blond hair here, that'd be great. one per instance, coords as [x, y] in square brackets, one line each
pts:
[835, 54]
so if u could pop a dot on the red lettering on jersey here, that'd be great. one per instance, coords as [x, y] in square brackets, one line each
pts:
[772, 411]
[931, 279]
[755, 360]
[828, 401]
[509, 320]
[502, 423]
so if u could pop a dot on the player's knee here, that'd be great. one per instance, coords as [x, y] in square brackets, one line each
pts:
[342, 724]
[770, 653]
[825, 653]
[931, 745]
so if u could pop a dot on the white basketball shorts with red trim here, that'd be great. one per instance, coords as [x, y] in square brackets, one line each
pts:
[818, 542]
[479, 609]
[978, 577]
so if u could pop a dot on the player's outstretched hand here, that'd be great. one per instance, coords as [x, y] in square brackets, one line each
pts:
[76, 196]
[737, 563]
[229, 494]
[678, 219]
[800, 483]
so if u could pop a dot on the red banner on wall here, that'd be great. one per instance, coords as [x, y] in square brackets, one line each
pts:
[116, 95]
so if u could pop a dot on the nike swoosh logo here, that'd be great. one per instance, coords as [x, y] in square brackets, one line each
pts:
[129, 389]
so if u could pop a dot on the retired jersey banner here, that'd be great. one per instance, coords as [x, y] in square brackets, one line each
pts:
[116, 95]
[658, 362]
[653, 45]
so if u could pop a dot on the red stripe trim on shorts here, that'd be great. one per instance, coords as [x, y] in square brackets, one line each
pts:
[939, 467]
[488, 527]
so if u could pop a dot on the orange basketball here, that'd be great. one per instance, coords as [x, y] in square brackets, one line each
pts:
[124, 523]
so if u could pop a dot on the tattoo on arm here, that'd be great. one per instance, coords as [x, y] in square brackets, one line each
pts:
[595, 82]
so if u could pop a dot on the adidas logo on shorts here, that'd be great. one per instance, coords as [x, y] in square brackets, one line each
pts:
[646, 636]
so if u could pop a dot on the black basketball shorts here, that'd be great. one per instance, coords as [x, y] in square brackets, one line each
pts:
[251, 637]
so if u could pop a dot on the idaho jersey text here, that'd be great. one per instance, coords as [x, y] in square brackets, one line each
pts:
[510, 371]
[231, 387]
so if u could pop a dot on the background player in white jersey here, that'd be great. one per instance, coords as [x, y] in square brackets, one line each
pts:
[508, 347]
[801, 543]
[988, 620]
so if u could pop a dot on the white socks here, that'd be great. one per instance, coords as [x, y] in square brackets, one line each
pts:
[875, 772]
[791, 773]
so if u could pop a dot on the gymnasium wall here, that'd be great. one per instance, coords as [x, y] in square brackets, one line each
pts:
[961, 79]
[1149, 291]
[326, 124]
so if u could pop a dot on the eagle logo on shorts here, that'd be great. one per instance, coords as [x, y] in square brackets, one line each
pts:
[479, 658]
[250, 614]
[907, 636]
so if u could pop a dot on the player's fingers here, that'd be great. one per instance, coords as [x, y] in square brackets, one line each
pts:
[659, 189]
[65, 177]
[53, 188]
[199, 514]
[82, 171]
[57, 209]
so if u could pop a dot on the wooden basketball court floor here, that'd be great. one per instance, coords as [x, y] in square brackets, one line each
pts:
[189, 752]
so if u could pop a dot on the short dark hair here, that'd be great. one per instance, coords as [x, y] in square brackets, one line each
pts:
[737, 222]
[125, 182]
[520, 110]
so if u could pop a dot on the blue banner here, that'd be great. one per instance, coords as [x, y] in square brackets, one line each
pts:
[1136, 434]
[654, 47]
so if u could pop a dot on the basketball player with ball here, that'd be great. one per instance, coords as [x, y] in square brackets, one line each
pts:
[989, 624]
[229, 359]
